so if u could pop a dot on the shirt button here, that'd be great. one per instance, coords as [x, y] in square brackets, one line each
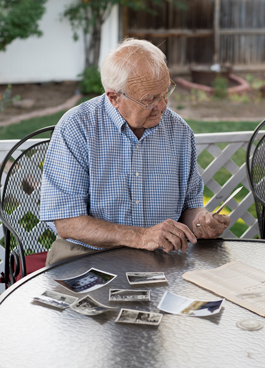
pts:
[137, 146]
[137, 174]
[137, 202]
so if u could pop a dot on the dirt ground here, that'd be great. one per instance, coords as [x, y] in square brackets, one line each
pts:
[34, 97]
[197, 105]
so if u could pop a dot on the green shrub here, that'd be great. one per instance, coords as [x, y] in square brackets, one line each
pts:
[6, 98]
[91, 82]
[220, 86]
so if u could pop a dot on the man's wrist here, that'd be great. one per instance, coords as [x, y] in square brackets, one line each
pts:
[133, 237]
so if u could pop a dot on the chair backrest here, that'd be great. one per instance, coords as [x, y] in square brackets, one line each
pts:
[24, 233]
[255, 163]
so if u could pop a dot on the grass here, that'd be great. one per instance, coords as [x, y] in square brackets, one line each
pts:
[17, 131]
[20, 130]
[200, 127]
[25, 127]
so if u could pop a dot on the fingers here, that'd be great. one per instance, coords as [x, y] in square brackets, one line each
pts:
[178, 227]
[168, 246]
[177, 241]
[211, 226]
[178, 233]
[169, 235]
[223, 219]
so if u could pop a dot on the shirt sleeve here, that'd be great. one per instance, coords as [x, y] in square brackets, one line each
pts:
[65, 183]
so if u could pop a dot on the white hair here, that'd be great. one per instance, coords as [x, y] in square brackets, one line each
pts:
[121, 63]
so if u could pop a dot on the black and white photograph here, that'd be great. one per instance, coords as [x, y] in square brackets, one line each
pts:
[89, 306]
[138, 317]
[128, 295]
[176, 304]
[137, 278]
[88, 281]
[55, 299]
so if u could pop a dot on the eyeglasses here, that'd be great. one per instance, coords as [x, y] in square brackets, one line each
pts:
[155, 100]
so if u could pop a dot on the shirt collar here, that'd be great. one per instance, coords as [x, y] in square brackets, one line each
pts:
[114, 114]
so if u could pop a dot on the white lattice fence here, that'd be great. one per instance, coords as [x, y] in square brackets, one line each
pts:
[224, 158]
[221, 158]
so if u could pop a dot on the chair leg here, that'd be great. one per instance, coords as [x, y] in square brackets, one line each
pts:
[7, 252]
[263, 224]
[13, 266]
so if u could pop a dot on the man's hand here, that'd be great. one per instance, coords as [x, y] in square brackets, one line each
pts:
[208, 226]
[168, 235]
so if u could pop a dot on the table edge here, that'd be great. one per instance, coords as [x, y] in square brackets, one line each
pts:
[27, 278]
[34, 274]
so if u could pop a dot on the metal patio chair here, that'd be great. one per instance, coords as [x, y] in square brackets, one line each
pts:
[27, 239]
[255, 162]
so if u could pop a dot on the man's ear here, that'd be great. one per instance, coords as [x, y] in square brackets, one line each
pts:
[113, 97]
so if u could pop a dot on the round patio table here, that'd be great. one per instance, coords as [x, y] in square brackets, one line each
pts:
[34, 335]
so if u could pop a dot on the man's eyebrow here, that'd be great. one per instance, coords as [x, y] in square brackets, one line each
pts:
[150, 96]
[154, 96]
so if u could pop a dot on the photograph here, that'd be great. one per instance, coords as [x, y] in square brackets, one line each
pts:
[88, 281]
[55, 299]
[89, 306]
[138, 317]
[176, 304]
[127, 295]
[137, 278]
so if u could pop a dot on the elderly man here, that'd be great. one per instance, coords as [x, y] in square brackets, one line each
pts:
[121, 168]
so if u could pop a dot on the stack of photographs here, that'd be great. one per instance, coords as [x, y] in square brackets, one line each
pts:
[94, 279]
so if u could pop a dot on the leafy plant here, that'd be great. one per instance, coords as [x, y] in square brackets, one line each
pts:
[249, 78]
[220, 86]
[255, 83]
[198, 96]
[91, 82]
[180, 107]
[6, 98]
[19, 19]
[239, 98]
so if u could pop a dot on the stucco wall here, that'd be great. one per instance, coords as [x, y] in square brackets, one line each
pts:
[54, 56]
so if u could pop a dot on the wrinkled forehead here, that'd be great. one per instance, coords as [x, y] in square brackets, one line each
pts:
[144, 70]
[148, 81]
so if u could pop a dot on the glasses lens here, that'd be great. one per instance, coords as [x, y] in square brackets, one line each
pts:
[149, 107]
[155, 102]
[171, 89]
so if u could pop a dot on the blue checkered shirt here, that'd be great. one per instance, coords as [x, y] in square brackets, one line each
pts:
[96, 166]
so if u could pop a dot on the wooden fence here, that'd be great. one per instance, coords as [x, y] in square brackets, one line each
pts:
[220, 31]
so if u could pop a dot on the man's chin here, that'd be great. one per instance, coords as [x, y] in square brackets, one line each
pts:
[152, 121]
